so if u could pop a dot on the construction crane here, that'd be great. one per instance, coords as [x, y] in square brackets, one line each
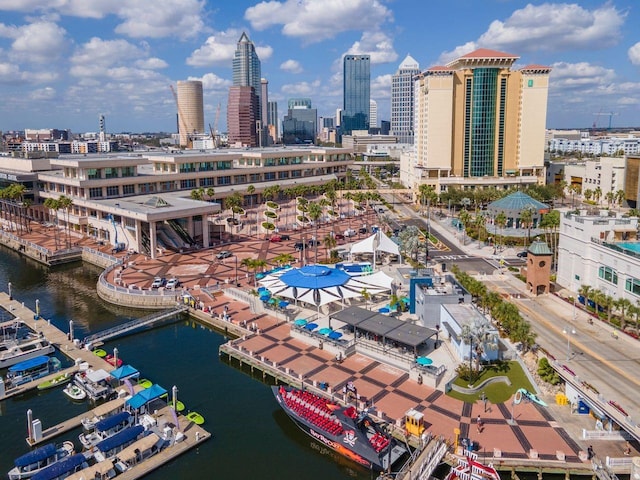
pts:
[215, 136]
[606, 114]
[180, 116]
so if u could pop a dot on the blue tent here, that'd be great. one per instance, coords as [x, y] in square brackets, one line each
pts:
[121, 438]
[61, 468]
[314, 277]
[112, 421]
[35, 456]
[146, 395]
[125, 371]
[31, 363]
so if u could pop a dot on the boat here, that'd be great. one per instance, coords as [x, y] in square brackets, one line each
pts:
[98, 352]
[74, 392]
[100, 471]
[106, 428]
[110, 446]
[532, 397]
[32, 369]
[63, 468]
[116, 362]
[352, 434]
[55, 381]
[145, 383]
[469, 468]
[18, 350]
[31, 463]
[138, 451]
[94, 383]
[195, 417]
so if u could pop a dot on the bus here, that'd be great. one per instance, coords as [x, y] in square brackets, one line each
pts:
[32, 369]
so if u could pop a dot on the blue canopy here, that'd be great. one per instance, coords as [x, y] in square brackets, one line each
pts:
[125, 436]
[60, 468]
[146, 395]
[123, 372]
[112, 421]
[424, 361]
[37, 455]
[335, 335]
[315, 277]
[31, 363]
[311, 326]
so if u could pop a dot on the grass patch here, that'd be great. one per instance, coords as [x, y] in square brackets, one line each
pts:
[496, 392]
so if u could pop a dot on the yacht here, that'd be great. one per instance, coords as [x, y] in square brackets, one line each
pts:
[19, 349]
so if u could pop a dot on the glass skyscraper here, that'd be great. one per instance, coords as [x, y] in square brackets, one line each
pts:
[356, 92]
[246, 67]
[402, 100]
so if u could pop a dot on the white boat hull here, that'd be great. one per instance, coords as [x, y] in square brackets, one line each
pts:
[17, 355]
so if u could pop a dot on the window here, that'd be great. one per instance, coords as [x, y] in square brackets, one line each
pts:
[207, 182]
[189, 183]
[147, 188]
[226, 180]
[128, 171]
[94, 173]
[166, 186]
[187, 167]
[632, 285]
[282, 175]
[608, 274]
[110, 172]
[113, 191]
[270, 176]
[95, 192]
[128, 189]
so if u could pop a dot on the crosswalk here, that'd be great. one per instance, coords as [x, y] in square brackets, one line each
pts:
[451, 257]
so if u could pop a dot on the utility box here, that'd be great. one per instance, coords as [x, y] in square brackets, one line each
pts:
[583, 408]
[36, 429]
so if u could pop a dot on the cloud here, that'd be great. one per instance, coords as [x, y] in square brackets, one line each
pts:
[549, 27]
[291, 66]
[317, 20]
[40, 41]
[301, 89]
[381, 86]
[11, 74]
[46, 93]
[377, 44]
[583, 76]
[152, 63]
[211, 81]
[220, 48]
[634, 54]
[138, 18]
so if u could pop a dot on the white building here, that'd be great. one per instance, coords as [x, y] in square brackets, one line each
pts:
[402, 100]
[596, 146]
[454, 319]
[602, 251]
[373, 113]
[606, 173]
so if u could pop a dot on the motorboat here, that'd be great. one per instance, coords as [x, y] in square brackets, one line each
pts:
[110, 446]
[105, 428]
[55, 381]
[116, 362]
[20, 349]
[138, 451]
[344, 429]
[94, 383]
[101, 412]
[36, 460]
[100, 471]
[63, 468]
[468, 467]
[145, 383]
[195, 417]
[32, 369]
[74, 392]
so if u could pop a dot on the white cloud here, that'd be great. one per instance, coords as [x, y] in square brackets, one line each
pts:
[38, 42]
[46, 93]
[291, 66]
[583, 76]
[220, 48]
[211, 81]
[301, 88]
[11, 74]
[317, 20]
[634, 54]
[151, 63]
[446, 57]
[381, 87]
[377, 44]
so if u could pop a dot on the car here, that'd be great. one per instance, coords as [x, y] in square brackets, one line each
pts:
[338, 236]
[158, 282]
[172, 283]
[299, 245]
[313, 242]
[381, 210]
[349, 232]
[522, 254]
[224, 254]
[362, 230]
[284, 238]
[275, 238]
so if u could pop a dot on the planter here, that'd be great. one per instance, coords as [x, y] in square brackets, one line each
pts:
[268, 226]
[273, 205]
[302, 208]
[332, 213]
[301, 201]
[271, 215]
[303, 219]
[238, 210]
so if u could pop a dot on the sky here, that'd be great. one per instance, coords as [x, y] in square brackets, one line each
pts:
[64, 62]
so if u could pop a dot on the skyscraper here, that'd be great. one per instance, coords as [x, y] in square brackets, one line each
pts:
[301, 122]
[246, 73]
[272, 120]
[190, 109]
[373, 113]
[479, 123]
[356, 93]
[402, 112]
[264, 103]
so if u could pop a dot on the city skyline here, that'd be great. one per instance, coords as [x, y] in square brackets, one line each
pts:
[64, 63]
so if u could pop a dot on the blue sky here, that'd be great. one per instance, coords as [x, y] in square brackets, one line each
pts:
[63, 62]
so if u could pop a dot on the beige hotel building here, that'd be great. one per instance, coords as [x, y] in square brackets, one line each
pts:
[478, 124]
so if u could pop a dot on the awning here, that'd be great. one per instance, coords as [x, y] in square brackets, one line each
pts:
[410, 334]
[125, 371]
[352, 315]
[35, 456]
[96, 376]
[125, 436]
[99, 469]
[146, 443]
[59, 469]
[112, 421]
[379, 324]
[146, 395]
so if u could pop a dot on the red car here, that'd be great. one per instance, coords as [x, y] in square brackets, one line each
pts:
[275, 238]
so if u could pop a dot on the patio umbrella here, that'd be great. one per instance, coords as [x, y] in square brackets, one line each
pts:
[325, 331]
[335, 335]
[311, 326]
[424, 361]
[301, 322]
[283, 304]
[383, 310]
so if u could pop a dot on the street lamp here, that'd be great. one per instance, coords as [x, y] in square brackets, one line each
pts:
[568, 334]
[10, 297]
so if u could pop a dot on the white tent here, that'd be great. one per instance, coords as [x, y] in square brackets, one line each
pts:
[378, 242]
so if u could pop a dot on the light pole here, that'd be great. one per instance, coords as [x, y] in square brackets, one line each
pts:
[10, 297]
[568, 334]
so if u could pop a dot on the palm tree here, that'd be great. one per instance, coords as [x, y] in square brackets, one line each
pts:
[210, 193]
[254, 264]
[197, 193]
[587, 194]
[623, 304]
[479, 336]
[66, 203]
[330, 242]
[410, 241]
[314, 212]
[54, 204]
[366, 296]
[597, 194]
[575, 189]
[586, 291]
[620, 197]
[610, 197]
[526, 218]
[501, 221]
[283, 259]
[233, 202]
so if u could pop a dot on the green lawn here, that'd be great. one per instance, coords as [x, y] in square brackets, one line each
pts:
[496, 392]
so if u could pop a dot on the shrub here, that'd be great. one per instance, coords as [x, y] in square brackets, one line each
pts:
[268, 226]
[547, 372]
[270, 214]
[464, 371]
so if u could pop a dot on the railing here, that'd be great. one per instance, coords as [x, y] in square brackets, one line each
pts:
[616, 247]
[26, 243]
[423, 466]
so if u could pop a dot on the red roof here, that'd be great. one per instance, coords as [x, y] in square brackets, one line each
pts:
[435, 68]
[533, 66]
[487, 53]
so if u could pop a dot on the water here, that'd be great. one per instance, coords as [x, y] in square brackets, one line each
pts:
[252, 436]
[633, 246]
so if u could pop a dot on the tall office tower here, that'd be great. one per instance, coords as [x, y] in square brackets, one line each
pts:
[479, 123]
[338, 117]
[373, 113]
[190, 109]
[301, 122]
[356, 93]
[402, 113]
[103, 127]
[272, 119]
[264, 114]
[246, 67]
[242, 116]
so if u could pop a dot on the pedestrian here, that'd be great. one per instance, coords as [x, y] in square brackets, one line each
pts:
[627, 449]
[479, 424]
[590, 453]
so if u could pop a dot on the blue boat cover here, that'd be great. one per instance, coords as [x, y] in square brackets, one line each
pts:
[120, 438]
[60, 468]
[112, 421]
[146, 395]
[31, 363]
[123, 372]
[37, 455]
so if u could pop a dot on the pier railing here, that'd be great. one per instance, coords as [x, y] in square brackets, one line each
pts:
[422, 466]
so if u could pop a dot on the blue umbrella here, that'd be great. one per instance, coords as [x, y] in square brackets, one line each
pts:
[424, 361]
[301, 322]
[283, 304]
[272, 301]
[335, 335]
[325, 331]
[311, 326]
[383, 310]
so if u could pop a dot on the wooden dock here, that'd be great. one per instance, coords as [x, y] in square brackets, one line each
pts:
[25, 387]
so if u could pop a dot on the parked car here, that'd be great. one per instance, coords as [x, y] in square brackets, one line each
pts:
[381, 210]
[522, 254]
[224, 254]
[349, 232]
[158, 282]
[172, 283]
[339, 236]
[275, 238]
[299, 245]
[362, 230]
[313, 242]
[284, 238]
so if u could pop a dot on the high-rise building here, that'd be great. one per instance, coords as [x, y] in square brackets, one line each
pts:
[301, 122]
[264, 102]
[356, 93]
[373, 113]
[190, 109]
[402, 113]
[272, 119]
[338, 117]
[242, 116]
[246, 73]
[479, 123]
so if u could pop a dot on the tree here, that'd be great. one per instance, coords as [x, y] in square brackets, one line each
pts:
[586, 291]
[526, 219]
[197, 194]
[547, 372]
[480, 337]
[623, 304]
[501, 221]
[330, 242]
[410, 241]
[210, 193]
[254, 264]
[366, 296]
[426, 196]
[597, 194]
[54, 204]
[66, 203]
[575, 189]
[610, 197]
[233, 202]
[314, 212]
[283, 259]
[587, 194]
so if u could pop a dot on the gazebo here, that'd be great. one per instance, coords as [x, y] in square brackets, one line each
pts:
[513, 205]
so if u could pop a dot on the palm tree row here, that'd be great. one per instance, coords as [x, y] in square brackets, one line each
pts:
[14, 206]
[608, 305]
[61, 203]
[505, 314]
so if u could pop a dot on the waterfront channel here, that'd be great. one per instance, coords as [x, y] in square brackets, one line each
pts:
[251, 436]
